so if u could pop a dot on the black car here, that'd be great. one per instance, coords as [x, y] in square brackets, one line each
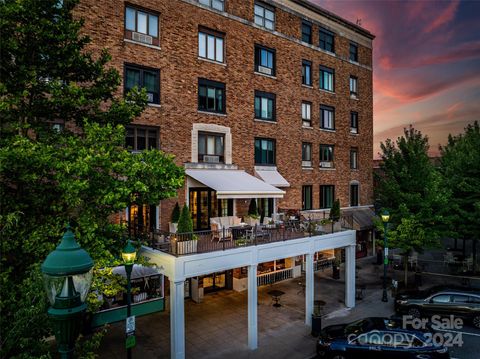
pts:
[460, 304]
[375, 338]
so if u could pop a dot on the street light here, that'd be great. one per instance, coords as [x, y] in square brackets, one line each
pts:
[385, 219]
[67, 273]
[129, 254]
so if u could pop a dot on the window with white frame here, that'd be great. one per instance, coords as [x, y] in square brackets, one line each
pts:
[264, 15]
[141, 26]
[210, 45]
[327, 118]
[306, 114]
[306, 154]
[214, 4]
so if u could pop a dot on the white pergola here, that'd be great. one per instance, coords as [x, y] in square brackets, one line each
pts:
[178, 269]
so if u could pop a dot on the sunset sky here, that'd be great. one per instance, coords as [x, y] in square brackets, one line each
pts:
[426, 64]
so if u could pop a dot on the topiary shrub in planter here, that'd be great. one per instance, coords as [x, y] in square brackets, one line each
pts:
[335, 212]
[253, 217]
[186, 240]
[174, 219]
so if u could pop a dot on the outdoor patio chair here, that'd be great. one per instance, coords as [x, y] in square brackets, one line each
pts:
[258, 232]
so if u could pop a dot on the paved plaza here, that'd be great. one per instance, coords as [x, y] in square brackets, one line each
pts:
[217, 327]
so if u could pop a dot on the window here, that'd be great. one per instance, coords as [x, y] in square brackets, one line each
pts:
[327, 117]
[442, 298]
[459, 298]
[326, 40]
[306, 73]
[211, 96]
[354, 195]
[210, 45]
[353, 122]
[214, 4]
[326, 156]
[327, 194]
[143, 78]
[306, 197]
[264, 151]
[210, 147]
[264, 16]
[306, 154]
[353, 86]
[353, 52]
[139, 138]
[141, 26]
[306, 32]
[354, 158]
[306, 114]
[326, 78]
[264, 106]
[264, 60]
[265, 207]
[225, 207]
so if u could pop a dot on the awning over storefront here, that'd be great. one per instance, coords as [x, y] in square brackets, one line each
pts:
[234, 184]
[362, 218]
[272, 176]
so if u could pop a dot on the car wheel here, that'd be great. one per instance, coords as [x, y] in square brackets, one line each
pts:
[414, 312]
[476, 321]
[337, 356]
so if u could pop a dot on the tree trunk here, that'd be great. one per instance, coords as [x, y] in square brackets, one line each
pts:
[405, 273]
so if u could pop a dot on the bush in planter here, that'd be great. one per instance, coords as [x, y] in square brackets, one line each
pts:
[176, 213]
[185, 223]
[335, 211]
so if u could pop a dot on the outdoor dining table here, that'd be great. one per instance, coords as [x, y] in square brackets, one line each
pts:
[276, 294]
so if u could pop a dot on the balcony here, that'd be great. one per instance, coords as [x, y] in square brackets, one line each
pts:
[181, 244]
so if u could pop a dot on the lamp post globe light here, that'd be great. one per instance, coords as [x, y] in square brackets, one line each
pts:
[67, 273]
[385, 219]
[129, 254]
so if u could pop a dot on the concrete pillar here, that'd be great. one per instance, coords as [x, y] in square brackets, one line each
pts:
[350, 276]
[177, 319]
[252, 307]
[309, 288]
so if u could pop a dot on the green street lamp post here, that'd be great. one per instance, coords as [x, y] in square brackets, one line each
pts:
[129, 255]
[67, 273]
[385, 220]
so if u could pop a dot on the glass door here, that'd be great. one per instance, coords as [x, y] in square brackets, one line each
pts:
[200, 204]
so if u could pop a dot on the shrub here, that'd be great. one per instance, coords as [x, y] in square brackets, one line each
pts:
[176, 213]
[185, 223]
[335, 211]
[252, 209]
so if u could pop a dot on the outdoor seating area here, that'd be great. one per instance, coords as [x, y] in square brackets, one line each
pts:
[229, 232]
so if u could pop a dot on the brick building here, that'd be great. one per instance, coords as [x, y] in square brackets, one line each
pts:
[277, 90]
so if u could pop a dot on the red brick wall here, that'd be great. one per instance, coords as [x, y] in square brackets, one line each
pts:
[180, 69]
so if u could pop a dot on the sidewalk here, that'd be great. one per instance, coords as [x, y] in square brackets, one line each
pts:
[217, 328]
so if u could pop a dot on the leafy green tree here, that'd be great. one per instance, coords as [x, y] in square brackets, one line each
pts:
[185, 223]
[410, 188]
[82, 174]
[460, 167]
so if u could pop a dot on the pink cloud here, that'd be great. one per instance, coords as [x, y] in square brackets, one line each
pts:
[445, 17]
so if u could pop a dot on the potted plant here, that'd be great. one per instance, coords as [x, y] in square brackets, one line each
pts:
[253, 218]
[186, 240]
[173, 225]
[335, 214]
[336, 268]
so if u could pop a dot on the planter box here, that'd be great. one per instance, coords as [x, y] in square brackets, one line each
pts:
[172, 227]
[185, 247]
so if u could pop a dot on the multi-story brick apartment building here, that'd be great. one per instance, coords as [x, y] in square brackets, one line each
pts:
[280, 89]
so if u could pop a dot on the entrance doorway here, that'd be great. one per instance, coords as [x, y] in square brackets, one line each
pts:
[217, 281]
[204, 205]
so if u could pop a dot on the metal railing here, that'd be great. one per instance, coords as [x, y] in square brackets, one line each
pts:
[238, 236]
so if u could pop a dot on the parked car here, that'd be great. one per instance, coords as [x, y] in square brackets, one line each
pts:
[462, 304]
[376, 338]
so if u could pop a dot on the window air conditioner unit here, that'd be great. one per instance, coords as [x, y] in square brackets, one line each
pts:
[264, 70]
[353, 130]
[149, 97]
[326, 164]
[211, 159]
[146, 39]
[306, 163]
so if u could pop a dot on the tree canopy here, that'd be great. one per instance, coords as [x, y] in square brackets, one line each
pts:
[410, 188]
[80, 174]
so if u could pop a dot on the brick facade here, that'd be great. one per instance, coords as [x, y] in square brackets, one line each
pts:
[180, 67]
